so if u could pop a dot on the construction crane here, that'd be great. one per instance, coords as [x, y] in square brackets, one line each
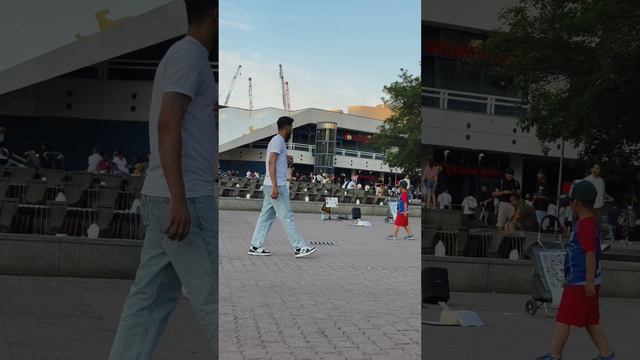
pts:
[284, 91]
[233, 84]
[287, 97]
[250, 95]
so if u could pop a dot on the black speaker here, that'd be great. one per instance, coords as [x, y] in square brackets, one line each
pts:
[435, 285]
[355, 213]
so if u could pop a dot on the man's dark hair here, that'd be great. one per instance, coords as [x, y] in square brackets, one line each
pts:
[284, 121]
[198, 10]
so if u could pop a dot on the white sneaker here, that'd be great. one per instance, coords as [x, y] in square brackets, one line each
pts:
[258, 251]
[304, 251]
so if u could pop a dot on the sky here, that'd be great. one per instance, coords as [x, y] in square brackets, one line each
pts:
[334, 53]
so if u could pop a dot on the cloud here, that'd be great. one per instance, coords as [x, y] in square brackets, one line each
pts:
[308, 87]
[231, 17]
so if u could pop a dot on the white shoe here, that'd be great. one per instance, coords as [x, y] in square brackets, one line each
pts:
[304, 251]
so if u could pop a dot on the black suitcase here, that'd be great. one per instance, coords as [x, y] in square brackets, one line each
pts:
[355, 213]
[435, 285]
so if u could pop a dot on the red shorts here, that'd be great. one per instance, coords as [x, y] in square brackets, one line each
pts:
[577, 309]
[402, 220]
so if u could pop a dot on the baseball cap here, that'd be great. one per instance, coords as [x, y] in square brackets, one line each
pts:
[509, 172]
[583, 190]
[403, 184]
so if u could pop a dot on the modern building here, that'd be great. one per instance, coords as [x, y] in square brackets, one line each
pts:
[470, 116]
[70, 81]
[323, 142]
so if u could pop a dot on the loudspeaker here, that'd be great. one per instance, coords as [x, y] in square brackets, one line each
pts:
[355, 213]
[435, 285]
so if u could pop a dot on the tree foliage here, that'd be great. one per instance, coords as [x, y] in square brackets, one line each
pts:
[578, 64]
[399, 137]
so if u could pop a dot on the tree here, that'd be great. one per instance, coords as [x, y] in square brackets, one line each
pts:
[577, 64]
[399, 137]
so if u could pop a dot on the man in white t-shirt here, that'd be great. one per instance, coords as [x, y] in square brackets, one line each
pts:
[276, 195]
[444, 200]
[179, 204]
[598, 182]
[94, 160]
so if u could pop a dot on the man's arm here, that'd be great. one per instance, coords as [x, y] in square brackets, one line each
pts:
[273, 158]
[174, 105]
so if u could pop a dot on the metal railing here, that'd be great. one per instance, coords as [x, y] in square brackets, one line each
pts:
[339, 151]
[473, 102]
[133, 64]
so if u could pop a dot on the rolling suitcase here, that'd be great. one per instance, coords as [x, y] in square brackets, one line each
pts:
[355, 213]
[435, 285]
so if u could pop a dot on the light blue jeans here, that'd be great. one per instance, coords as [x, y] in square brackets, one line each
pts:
[165, 267]
[280, 207]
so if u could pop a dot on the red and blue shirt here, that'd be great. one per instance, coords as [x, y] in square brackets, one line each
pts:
[404, 198]
[584, 238]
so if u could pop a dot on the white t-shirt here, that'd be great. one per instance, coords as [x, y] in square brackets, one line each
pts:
[185, 69]
[408, 183]
[277, 145]
[598, 182]
[248, 174]
[469, 204]
[121, 165]
[94, 160]
[444, 200]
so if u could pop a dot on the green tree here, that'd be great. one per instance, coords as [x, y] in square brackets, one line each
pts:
[399, 137]
[578, 65]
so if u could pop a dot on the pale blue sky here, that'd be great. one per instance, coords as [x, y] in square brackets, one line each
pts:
[334, 53]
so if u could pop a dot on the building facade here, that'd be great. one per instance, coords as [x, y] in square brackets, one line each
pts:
[470, 115]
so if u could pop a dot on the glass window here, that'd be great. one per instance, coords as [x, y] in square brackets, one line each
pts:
[455, 75]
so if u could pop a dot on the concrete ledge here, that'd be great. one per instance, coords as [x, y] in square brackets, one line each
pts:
[68, 256]
[311, 207]
[620, 279]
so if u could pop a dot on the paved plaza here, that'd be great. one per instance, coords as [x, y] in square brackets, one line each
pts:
[511, 334]
[357, 299]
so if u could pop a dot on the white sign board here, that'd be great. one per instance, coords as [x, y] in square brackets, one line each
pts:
[331, 202]
[553, 273]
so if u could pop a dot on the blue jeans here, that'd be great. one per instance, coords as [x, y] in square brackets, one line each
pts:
[165, 267]
[280, 207]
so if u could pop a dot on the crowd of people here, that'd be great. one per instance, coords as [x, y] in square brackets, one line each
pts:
[99, 163]
[389, 187]
[102, 163]
[506, 207]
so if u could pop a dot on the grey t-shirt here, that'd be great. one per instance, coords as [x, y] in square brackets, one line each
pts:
[277, 145]
[185, 69]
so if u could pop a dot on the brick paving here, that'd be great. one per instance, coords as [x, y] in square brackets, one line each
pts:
[358, 299]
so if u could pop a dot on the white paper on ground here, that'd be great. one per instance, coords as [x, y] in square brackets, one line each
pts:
[449, 317]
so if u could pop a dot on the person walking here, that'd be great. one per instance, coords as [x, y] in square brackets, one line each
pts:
[276, 196]
[580, 304]
[402, 217]
[179, 207]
